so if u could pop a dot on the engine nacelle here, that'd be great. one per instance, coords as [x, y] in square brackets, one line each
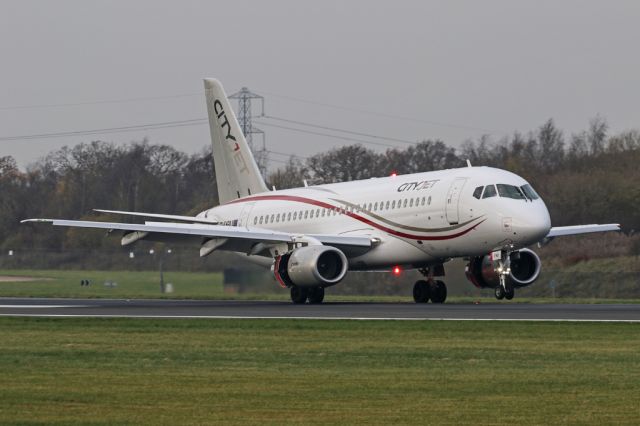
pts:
[525, 269]
[311, 266]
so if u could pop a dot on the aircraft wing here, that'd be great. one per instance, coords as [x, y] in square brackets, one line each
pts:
[213, 237]
[561, 231]
[181, 218]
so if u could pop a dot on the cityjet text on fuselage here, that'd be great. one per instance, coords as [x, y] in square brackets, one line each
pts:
[417, 186]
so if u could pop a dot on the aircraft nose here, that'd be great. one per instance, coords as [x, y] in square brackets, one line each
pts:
[533, 226]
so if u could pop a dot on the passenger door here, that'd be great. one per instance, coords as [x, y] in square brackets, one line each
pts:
[453, 199]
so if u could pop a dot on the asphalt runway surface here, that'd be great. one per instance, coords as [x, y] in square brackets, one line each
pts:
[331, 310]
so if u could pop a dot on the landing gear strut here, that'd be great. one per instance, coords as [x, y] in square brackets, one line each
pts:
[505, 289]
[436, 290]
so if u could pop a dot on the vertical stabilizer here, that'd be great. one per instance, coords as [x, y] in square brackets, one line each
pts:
[237, 173]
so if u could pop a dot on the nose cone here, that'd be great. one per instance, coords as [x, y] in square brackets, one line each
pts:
[533, 224]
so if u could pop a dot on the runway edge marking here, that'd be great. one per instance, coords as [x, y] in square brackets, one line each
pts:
[314, 318]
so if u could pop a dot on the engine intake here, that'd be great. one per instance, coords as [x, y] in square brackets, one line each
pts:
[525, 269]
[311, 266]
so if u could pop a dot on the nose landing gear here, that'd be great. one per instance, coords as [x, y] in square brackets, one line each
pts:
[505, 289]
[436, 290]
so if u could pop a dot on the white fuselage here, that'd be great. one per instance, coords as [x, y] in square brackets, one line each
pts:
[418, 219]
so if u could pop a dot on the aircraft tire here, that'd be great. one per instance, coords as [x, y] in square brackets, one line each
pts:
[421, 291]
[438, 292]
[509, 293]
[316, 295]
[499, 292]
[299, 294]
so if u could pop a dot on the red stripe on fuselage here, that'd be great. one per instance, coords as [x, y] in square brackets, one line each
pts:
[353, 215]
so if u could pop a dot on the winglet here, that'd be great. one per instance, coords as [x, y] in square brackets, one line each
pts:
[37, 221]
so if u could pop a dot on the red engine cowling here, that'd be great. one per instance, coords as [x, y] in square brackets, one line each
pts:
[525, 269]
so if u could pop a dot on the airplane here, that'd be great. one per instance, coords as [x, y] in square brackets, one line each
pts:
[312, 236]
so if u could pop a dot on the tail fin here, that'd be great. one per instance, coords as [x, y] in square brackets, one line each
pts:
[237, 174]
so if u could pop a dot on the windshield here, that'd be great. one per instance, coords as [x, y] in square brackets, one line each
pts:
[510, 191]
[529, 192]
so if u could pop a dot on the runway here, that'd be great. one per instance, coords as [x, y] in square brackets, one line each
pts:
[136, 308]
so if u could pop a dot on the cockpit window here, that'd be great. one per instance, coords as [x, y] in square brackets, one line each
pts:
[529, 192]
[510, 191]
[489, 191]
[478, 192]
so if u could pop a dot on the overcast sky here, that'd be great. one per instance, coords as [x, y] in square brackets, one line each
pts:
[447, 69]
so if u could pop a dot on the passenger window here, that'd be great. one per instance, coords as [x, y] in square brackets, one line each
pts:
[429, 200]
[423, 200]
[393, 204]
[278, 218]
[295, 215]
[289, 217]
[386, 206]
[411, 202]
[306, 214]
[255, 220]
[404, 204]
[489, 191]
[375, 207]
[272, 217]
[478, 192]
[260, 220]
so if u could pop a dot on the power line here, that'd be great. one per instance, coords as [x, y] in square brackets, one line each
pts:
[381, 114]
[133, 128]
[311, 132]
[98, 102]
[317, 126]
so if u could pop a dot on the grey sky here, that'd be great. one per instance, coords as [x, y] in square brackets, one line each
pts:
[494, 65]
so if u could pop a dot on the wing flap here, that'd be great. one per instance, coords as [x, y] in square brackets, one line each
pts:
[182, 218]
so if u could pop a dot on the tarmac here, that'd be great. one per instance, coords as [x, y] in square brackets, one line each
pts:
[494, 311]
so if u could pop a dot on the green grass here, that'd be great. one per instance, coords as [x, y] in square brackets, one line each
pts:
[198, 285]
[142, 371]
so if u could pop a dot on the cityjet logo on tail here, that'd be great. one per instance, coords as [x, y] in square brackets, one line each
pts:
[224, 123]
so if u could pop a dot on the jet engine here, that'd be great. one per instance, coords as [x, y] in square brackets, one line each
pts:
[311, 266]
[525, 268]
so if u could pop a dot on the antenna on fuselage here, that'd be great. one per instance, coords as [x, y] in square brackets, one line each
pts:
[469, 163]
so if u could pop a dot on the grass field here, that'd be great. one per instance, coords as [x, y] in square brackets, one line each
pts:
[199, 285]
[142, 371]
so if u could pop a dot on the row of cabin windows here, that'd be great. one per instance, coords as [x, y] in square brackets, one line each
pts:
[524, 192]
[322, 212]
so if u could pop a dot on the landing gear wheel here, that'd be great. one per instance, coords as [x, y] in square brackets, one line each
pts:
[421, 291]
[316, 295]
[438, 292]
[299, 294]
[509, 293]
[500, 293]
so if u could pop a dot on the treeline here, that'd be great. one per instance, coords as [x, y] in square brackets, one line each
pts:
[587, 177]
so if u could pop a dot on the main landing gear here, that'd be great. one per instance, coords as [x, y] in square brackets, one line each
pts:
[436, 290]
[300, 295]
